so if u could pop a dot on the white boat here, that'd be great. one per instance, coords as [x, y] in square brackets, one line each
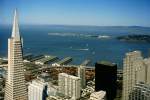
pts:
[103, 36]
[83, 49]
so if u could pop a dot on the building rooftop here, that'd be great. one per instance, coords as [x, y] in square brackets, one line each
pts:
[38, 83]
[100, 94]
[106, 63]
[69, 76]
[147, 61]
[134, 53]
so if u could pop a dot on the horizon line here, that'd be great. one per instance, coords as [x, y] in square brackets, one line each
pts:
[79, 25]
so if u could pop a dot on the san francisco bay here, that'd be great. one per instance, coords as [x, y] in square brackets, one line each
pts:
[80, 42]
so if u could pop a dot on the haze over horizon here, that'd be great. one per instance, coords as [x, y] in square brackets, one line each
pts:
[77, 12]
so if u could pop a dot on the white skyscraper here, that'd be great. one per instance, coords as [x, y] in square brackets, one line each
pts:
[37, 90]
[81, 74]
[69, 86]
[15, 81]
[135, 69]
[129, 71]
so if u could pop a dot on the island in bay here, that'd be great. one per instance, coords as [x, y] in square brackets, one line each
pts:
[134, 38]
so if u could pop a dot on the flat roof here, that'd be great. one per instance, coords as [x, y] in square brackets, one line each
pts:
[99, 94]
[106, 63]
[69, 76]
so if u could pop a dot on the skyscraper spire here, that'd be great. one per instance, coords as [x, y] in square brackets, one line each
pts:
[15, 29]
[15, 88]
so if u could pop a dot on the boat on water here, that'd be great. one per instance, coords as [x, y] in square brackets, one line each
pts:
[83, 49]
[103, 37]
[100, 36]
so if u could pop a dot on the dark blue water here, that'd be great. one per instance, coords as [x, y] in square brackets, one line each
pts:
[74, 41]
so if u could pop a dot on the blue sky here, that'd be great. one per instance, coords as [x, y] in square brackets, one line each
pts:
[78, 12]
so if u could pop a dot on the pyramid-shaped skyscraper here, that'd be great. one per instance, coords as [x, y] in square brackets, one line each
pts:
[15, 82]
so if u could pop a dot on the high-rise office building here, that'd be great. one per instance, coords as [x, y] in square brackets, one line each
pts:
[81, 74]
[129, 72]
[37, 90]
[141, 91]
[15, 82]
[105, 78]
[135, 69]
[69, 86]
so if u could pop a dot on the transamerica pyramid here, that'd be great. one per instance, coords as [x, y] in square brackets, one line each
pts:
[15, 82]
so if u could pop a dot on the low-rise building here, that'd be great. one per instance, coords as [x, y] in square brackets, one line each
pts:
[100, 95]
[87, 92]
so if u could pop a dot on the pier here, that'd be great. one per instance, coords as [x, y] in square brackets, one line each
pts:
[27, 57]
[37, 58]
[86, 62]
[63, 61]
[46, 60]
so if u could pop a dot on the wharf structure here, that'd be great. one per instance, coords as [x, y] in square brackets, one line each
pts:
[63, 61]
[85, 62]
[35, 58]
[27, 57]
[46, 60]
